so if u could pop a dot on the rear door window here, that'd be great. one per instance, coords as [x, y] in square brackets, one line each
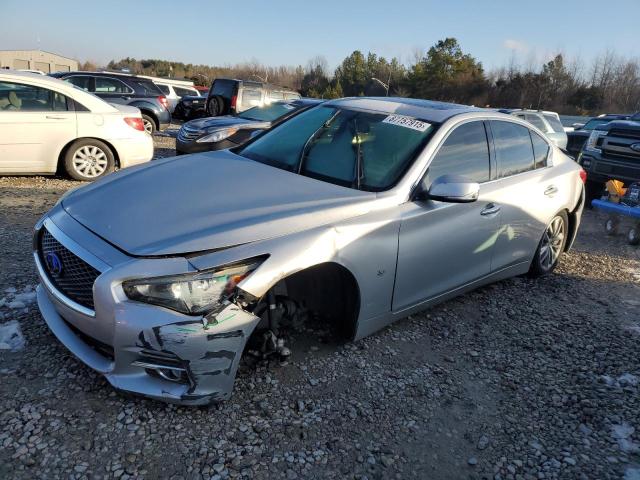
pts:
[164, 89]
[540, 150]
[80, 81]
[465, 152]
[147, 87]
[111, 85]
[514, 151]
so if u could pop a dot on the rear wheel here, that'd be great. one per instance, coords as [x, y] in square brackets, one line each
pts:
[88, 160]
[551, 246]
[215, 107]
[149, 124]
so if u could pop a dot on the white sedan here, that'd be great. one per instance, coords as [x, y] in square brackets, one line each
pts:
[47, 125]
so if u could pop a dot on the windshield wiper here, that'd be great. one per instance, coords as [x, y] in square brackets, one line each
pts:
[312, 140]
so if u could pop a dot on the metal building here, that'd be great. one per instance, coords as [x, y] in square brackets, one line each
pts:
[36, 60]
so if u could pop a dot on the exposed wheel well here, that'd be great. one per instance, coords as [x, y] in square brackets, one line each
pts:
[573, 220]
[64, 150]
[329, 289]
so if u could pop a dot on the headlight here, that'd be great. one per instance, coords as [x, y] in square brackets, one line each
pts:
[217, 135]
[593, 140]
[193, 293]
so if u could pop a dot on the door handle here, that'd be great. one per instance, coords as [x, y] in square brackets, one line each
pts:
[490, 209]
[55, 117]
[550, 190]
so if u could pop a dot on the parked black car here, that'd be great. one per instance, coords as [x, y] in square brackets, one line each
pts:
[612, 151]
[128, 90]
[190, 107]
[219, 133]
[578, 137]
[230, 97]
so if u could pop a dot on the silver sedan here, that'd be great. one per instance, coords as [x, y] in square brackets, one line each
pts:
[364, 210]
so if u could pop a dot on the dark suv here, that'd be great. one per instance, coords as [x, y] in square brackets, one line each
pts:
[127, 90]
[612, 151]
[578, 137]
[230, 97]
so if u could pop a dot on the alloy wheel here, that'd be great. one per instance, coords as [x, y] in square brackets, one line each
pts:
[90, 161]
[148, 126]
[552, 243]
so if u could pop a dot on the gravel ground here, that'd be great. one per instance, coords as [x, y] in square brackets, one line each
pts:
[522, 379]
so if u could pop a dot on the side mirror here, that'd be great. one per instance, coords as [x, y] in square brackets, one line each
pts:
[577, 126]
[453, 189]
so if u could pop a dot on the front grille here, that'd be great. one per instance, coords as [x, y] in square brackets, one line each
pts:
[73, 277]
[633, 133]
[188, 134]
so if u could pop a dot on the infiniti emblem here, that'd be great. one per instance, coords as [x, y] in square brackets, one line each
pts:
[54, 264]
[635, 147]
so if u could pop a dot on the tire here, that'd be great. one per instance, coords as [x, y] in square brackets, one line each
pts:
[633, 236]
[551, 246]
[89, 159]
[610, 226]
[149, 124]
[215, 107]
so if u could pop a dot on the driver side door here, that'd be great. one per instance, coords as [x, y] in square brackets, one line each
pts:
[444, 246]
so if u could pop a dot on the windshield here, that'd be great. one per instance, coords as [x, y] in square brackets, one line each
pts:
[269, 112]
[594, 123]
[353, 148]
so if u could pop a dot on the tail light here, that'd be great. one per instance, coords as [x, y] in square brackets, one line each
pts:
[583, 175]
[135, 122]
[163, 100]
[234, 100]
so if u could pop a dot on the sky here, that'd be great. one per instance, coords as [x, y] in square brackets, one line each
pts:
[284, 32]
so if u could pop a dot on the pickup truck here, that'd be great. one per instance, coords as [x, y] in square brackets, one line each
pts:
[611, 152]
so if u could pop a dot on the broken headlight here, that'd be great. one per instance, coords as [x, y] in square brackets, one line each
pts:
[193, 293]
[217, 135]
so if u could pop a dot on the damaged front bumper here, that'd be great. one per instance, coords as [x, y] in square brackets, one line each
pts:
[140, 348]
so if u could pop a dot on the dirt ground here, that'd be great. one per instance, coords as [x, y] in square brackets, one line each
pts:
[523, 379]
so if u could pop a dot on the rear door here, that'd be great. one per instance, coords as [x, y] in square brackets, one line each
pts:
[35, 124]
[528, 192]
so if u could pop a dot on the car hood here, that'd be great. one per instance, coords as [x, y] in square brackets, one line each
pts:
[207, 201]
[213, 123]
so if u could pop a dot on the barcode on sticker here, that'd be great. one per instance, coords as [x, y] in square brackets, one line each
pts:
[407, 122]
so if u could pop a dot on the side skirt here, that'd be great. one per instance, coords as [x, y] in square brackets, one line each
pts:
[371, 325]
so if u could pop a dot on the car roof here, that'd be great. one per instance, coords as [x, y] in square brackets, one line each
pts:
[303, 101]
[428, 110]
[89, 100]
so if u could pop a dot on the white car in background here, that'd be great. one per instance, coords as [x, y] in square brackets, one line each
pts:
[174, 93]
[47, 125]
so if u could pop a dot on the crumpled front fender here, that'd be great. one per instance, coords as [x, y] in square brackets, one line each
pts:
[210, 351]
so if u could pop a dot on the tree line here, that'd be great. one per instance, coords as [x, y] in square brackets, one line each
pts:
[611, 83]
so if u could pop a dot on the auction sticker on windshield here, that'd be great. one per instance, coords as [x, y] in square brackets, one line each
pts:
[407, 122]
